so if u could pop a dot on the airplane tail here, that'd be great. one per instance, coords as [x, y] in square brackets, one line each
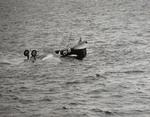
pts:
[80, 44]
[80, 40]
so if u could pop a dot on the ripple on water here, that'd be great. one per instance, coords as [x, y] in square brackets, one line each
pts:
[112, 81]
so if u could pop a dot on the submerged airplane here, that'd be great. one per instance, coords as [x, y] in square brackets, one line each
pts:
[78, 50]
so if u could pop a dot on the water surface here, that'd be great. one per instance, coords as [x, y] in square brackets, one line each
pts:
[112, 81]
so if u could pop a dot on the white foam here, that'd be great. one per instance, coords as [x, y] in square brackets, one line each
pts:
[51, 58]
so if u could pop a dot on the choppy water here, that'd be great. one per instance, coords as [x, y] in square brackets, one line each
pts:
[112, 81]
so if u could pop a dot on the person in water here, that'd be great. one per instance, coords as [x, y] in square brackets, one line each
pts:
[33, 55]
[26, 53]
[80, 52]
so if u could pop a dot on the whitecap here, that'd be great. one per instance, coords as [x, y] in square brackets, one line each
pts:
[51, 58]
